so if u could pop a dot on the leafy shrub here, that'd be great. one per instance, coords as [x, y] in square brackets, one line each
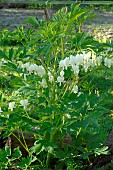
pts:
[47, 97]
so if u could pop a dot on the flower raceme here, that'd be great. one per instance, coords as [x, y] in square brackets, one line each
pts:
[84, 61]
[38, 70]
[33, 68]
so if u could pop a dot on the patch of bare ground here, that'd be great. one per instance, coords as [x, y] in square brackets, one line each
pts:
[101, 26]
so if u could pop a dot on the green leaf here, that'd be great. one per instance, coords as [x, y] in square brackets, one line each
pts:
[104, 150]
[50, 150]
[36, 148]
[11, 66]
[26, 161]
[6, 134]
[60, 154]
[0, 96]
[11, 52]
[2, 55]
[8, 150]
[75, 17]
[33, 21]
[52, 25]
[3, 156]
[17, 153]
[86, 155]
[25, 89]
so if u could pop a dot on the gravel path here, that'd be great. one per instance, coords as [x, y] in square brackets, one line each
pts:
[101, 26]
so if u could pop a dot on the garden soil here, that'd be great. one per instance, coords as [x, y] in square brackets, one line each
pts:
[101, 26]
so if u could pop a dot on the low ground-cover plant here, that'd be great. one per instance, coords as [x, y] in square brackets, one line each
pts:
[17, 37]
[46, 96]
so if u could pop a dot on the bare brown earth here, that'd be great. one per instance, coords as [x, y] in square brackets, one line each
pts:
[101, 26]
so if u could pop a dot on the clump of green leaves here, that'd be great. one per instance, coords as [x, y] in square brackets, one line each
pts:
[17, 37]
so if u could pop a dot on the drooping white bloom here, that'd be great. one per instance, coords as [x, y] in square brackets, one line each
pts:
[60, 79]
[1, 110]
[93, 58]
[99, 60]
[87, 65]
[26, 65]
[72, 60]
[107, 62]
[41, 71]
[87, 56]
[24, 103]
[75, 89]
[68, 116]
[62, 64]
[0, 63]
[31, 68]
[62, 73]
[66, 62]
[75, 69]
[79, 93]
[51, 78]
[35, 69]
[43, 83]
[23, 67]
[11, 106]
[79, 59]
[25, 78]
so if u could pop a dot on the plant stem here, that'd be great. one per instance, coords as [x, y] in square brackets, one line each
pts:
[62, 47]
[49, 154]
[21, 143]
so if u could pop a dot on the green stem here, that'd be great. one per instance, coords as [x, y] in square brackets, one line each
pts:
[62, 48]
[24, 141]
[21, 143]
[49, 154]
[52, 98]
